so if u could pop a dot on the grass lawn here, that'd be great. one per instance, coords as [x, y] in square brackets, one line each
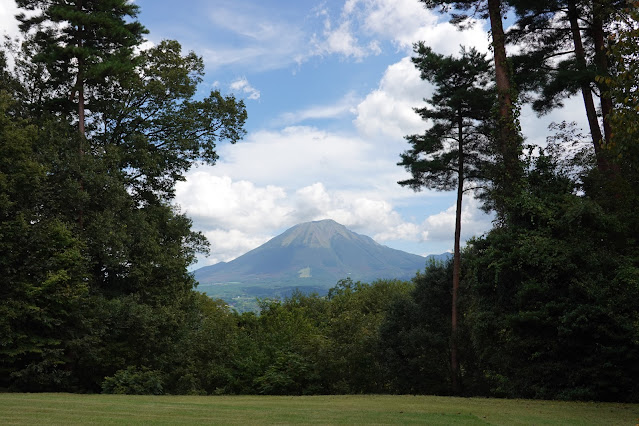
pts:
[66, 409]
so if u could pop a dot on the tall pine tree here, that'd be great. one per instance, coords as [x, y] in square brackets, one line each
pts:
[456, 149]
[84, 45]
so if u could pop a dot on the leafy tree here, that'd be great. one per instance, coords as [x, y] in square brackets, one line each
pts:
[551, 312]
[624, 65]
[133, 381]
[202, 361]
[455, 150]
[288, 345]
[414, 340]
[92, 297]
[355, 314]
[41, 262]
[153, 130]
[307, 344]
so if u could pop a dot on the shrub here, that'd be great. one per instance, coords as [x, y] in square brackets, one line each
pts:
[134, 381]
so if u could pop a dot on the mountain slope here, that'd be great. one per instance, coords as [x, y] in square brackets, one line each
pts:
[314, 254]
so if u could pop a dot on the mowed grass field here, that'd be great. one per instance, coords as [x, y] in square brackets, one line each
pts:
[67, 409]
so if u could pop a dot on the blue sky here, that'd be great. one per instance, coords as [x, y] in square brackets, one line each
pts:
[329, 89]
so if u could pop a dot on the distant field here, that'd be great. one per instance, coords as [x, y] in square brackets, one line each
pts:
[35, 409]
[243, 296]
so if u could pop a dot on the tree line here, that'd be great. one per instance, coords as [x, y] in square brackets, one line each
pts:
[95, 296]
[561, 244]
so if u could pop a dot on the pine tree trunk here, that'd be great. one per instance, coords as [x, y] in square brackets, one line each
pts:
[454, 352]
[80, 81]
[591, 111]
[501, 65]
[508, 136]
[81, 118]
[601, 61]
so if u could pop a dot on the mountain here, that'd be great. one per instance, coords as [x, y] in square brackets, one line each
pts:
[312, 256]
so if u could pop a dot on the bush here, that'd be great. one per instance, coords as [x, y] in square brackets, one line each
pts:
[134, 381]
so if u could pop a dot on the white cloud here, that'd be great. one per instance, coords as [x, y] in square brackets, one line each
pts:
[237, 216]
[243, 86]
[296, 156]
[8, 22]
[342, 41]
[344, 106]
[219, 202]
[363, 23]
[226, 245]
[441, 226]
[387, 112]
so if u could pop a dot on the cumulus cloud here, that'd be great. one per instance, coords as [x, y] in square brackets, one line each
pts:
[219, 202]
[227, 245]
[387, 112]
[297, 156]
[237, 216]
[243, 86]
[406, 22]
[441, 226]
[341, 41]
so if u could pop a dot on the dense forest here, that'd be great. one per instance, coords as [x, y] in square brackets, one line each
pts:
[95, 295]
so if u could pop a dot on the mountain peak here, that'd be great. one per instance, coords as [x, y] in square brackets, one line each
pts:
[316, 234]
[314, 253]
[311, 255]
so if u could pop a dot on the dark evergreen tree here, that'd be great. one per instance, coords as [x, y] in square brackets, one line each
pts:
[414, 342]
[507, 137]
[456, 149]
[84, 45]
[564, 46]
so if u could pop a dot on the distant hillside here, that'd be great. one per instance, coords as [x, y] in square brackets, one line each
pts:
[311, 256]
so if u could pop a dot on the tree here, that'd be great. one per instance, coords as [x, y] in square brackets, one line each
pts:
[414, 342]
[622, 82]
[356, 312]
[152, 127]
[563, 50]
[91, 297]
[84, 45]
[552, 310]
[41, 261]
[507, 137]
[455, 150]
